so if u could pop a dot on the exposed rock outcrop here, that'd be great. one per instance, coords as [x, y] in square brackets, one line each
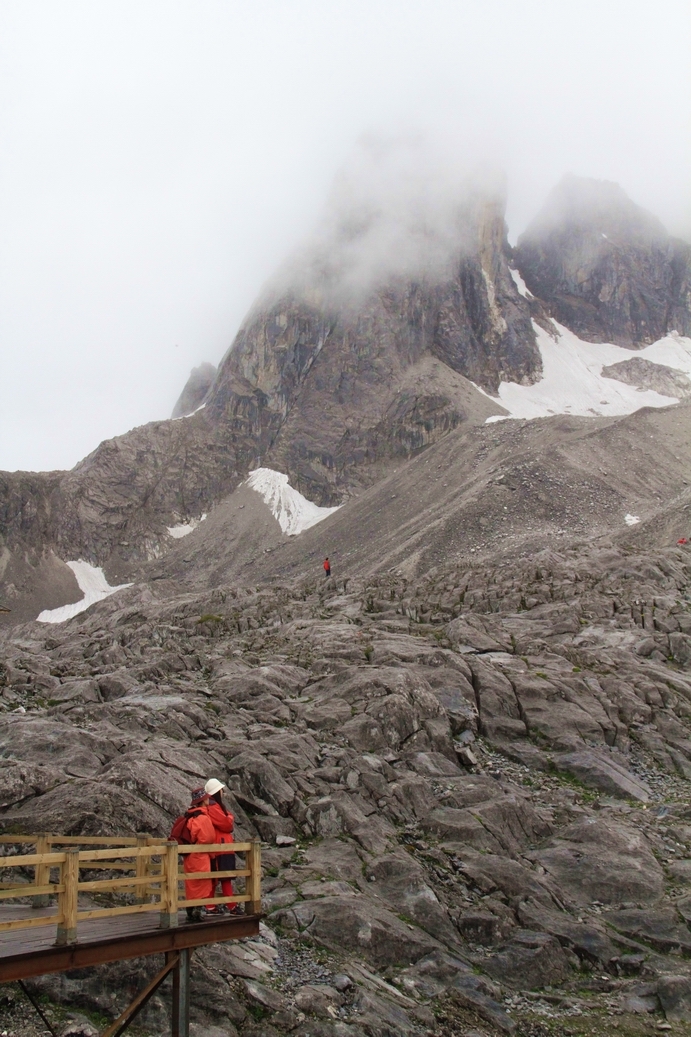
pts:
[646, 375]
[606, 268]
[195, 391]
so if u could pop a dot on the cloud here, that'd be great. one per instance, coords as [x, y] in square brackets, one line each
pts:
[161, 160]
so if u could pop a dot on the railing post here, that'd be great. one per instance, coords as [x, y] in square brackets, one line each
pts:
[253, 885]
[141, 869]
[41, 871]
[68, 900]
[169, 886]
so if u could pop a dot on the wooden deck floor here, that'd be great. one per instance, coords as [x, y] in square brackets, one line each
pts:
[32, 952]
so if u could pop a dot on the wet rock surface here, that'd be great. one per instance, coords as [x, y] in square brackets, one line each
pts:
[482, 782]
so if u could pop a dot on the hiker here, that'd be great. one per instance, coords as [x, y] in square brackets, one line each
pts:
[327, 568]
[223, 823]
[200, 829]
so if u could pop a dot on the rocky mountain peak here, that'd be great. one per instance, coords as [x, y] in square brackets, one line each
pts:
[195, 391]
[605, 267]
[332, 367]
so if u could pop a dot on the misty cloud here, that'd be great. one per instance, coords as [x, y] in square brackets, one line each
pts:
[161, 160]
[401, 207]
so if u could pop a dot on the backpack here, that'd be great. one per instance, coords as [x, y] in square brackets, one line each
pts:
[180, 833]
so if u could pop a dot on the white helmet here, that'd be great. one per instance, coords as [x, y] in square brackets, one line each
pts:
[213, 786]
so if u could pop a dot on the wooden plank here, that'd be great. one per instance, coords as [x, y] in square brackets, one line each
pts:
[111, 885]
[134, 851]
[112, 947]
[29, 890]
[169, 887]
[67, 900]
[28, 923]
[239, 898]
[22, 860]
[111, 912]
[92, 840]
[254, 883]
[191, 875]
[215, 848]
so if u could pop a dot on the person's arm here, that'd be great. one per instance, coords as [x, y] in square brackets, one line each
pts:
[222, 819]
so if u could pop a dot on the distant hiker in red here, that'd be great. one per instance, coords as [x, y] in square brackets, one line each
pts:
[223, 822]
[200, 829]
[327, 568]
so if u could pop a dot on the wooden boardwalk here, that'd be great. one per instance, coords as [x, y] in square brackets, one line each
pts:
[140, 915]
[33, 952]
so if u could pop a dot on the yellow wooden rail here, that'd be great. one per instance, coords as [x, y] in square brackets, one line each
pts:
[154, 884]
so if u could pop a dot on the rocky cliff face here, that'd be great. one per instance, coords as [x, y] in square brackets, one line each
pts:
[368, 347]
[604, 267]
[335, 374]
[327, 358]
[196, 388]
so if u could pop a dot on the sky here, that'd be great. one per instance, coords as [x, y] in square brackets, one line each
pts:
[160, 159]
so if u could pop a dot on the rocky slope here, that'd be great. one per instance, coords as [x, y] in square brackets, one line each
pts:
[485, 772]
[478, 493]
[390, 330]
[606, 268]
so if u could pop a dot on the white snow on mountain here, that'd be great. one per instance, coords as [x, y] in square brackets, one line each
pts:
[293, 512]
[93, 585]
[572, 381]
[520, 284]
[183, 529]
[631, 520]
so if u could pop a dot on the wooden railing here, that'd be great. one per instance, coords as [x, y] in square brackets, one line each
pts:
[152, 885]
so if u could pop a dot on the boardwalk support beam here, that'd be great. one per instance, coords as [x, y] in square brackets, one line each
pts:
[181, 996]
[132, 1010]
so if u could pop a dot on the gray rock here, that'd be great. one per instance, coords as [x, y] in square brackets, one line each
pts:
[196, 389]
[604, 773]
[318, 999]
[603, 860]
[530, 960]
[355, 925]
[605, 267]
[674, 993]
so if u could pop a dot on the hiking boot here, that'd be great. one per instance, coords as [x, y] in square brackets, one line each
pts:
[194, 914]
[209, 913]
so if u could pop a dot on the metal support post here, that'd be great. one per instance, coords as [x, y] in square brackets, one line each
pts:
[181, 996]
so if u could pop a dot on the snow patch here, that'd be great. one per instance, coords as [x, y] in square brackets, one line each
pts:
[93, 585]
[631, 520]
[185, 528]
[572, 381]
[293, 512]
[520, 284]
[191, 413]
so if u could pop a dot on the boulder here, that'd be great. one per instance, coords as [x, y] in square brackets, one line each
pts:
[530, 961]
[604, 773]
[674, 993]
[603, 860]
[357, 926]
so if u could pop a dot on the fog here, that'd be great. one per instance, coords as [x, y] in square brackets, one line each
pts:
[160, 160]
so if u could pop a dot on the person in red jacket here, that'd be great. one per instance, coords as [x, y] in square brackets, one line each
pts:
[200, 829]
[327, 568]
[223, 823]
